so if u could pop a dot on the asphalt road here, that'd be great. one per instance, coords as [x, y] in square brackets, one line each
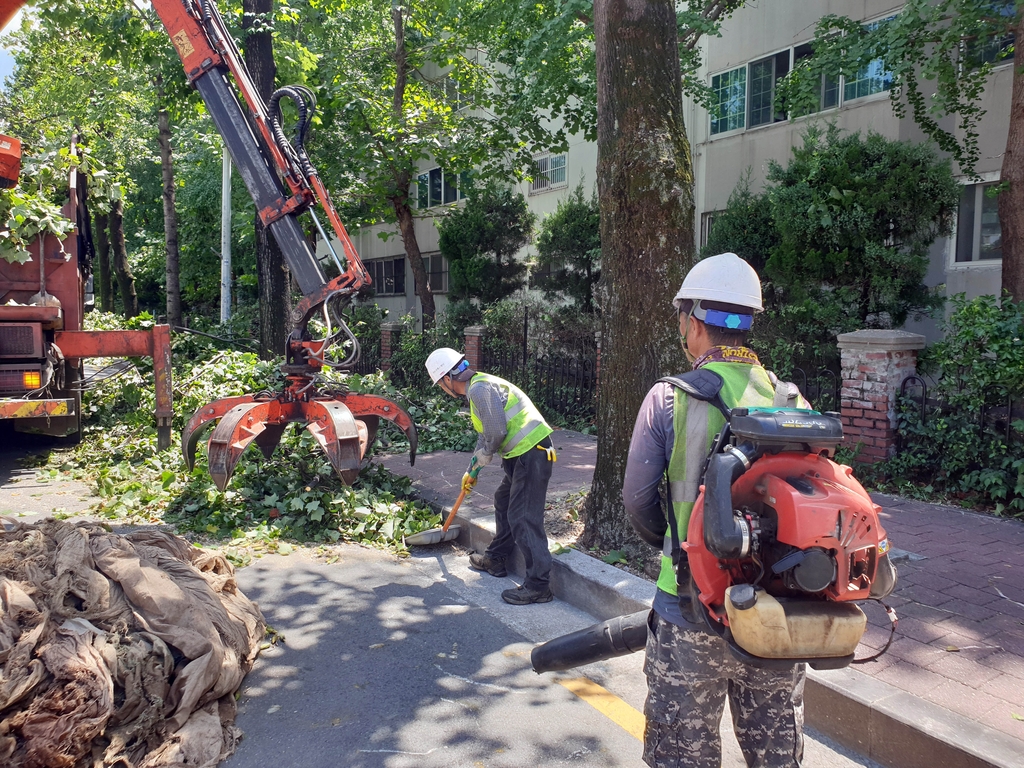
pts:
[418, 662]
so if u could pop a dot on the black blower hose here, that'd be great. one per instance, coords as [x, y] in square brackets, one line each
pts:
[726, 536]
[615, 637]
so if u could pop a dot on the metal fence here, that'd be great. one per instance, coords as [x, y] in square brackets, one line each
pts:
[821, 388]
[369, 358]
[997, 420]
[561, 386]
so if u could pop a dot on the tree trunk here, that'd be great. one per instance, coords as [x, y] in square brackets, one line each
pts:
[412, 252]
[400, 202]
[170, 215]
[271, 269]
[102, 284]
[645, 192]
[125, 279]
[1011, 199]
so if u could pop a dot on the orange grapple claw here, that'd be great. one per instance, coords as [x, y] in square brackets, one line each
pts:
[343, 425]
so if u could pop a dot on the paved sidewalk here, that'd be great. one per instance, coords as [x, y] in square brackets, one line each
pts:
[958, 652]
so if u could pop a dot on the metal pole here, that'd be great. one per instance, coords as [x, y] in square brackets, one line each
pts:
[225, 239]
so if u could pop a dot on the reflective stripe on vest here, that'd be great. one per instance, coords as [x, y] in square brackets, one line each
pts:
[696, 423]
[524, 425]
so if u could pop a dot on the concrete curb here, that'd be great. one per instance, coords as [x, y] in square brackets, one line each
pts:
[877, 720]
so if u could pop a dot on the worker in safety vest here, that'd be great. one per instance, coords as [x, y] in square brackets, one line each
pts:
[690, 670]
[510, 426]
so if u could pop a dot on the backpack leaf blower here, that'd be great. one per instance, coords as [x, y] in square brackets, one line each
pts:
[782, 544]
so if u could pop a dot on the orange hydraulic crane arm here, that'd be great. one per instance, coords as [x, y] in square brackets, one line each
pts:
[268, 164]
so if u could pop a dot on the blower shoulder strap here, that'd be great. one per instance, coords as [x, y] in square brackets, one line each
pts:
[701, 385]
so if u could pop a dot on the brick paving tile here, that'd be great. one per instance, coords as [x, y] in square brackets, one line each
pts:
[970, 610]
[966, 670]
[963, 632]
[875, 637]
[1006, 663]
[970, 575]
[924, 612]
[1005, 623]
[933, 582]
[964, 700]
[1002, 719]
[911, 679]
[1008, 688]
[916, 653]
[972, 595]
[1010, 642]
[922, 594]
[922, 631]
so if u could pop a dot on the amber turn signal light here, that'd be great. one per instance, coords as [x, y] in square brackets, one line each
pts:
[31, 380]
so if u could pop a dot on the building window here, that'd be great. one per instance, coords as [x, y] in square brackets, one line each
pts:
[388, 276]
[827, 88]
[707, 220]
[437, 272]
[763, 76]
[998, 48]
[978, 234]
[729, 100]
[551, 173]
[436, 187]
[874, 78]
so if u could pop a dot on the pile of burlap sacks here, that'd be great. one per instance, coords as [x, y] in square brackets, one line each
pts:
[118, 650]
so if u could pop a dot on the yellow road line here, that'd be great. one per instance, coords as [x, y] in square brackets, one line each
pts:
[609, 705]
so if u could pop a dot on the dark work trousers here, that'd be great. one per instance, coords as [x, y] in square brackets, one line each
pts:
[519, 514]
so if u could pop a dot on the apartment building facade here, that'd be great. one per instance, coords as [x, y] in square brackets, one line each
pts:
[757, 47]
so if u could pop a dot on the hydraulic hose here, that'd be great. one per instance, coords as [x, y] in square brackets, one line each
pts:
[726, 536]
[615, 637]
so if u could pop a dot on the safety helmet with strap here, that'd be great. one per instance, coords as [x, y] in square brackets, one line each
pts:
[441, 362]
[723, 279]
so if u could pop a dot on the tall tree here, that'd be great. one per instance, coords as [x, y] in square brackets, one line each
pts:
[274, 277]
[645, 193]
[173, 268]
[122, 269]
[940, 55]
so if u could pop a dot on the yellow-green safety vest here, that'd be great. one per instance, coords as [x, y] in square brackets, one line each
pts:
[696, 422]
[525, 427]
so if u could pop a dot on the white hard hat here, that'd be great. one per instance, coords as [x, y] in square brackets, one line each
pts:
[724, 278]
[441, 361]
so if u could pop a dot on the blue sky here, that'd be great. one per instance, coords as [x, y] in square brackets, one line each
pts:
[6, 61]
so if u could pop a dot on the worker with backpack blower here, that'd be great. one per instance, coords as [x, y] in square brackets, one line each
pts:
[689, 670]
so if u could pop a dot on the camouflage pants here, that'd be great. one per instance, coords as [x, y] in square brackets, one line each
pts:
[689, 673]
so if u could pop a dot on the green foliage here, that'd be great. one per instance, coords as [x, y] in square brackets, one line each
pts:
[480, 241]
[32, 208]
[979, 369]
[295, 495]
[855, 218]
[569, 249]
[746, 227]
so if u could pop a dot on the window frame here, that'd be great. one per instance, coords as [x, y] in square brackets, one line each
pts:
[423, 187]
[743, 108]
[542, 182]
[841, 99]
[378, 269]
[429, 261]
[984, 180]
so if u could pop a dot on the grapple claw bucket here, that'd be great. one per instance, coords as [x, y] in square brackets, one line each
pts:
[343, 425]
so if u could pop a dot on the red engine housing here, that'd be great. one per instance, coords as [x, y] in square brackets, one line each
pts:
[832, 512]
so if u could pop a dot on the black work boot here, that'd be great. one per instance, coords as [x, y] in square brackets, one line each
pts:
[492, 565]
[524, 595]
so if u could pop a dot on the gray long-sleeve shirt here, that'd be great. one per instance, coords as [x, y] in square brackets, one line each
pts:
[488, 400]
[649, 452]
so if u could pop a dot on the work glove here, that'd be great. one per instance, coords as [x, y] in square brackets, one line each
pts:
[475, 465]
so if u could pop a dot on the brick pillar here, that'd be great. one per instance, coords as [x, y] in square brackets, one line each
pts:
[475, 346]
[388, 343]
[875, 363]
